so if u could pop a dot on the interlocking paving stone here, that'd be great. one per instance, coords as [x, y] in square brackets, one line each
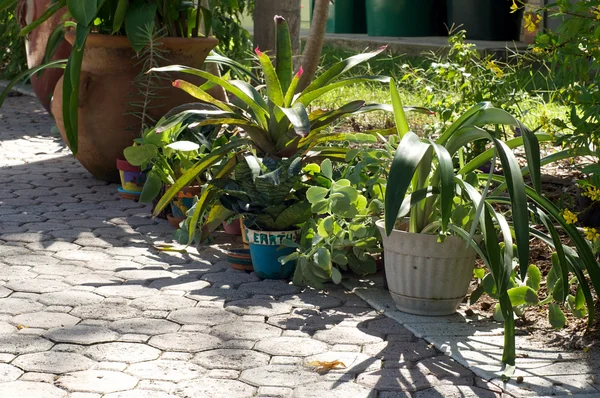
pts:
[278, 376]
[331, 389]
[214, 388]
[146, 326]
[270, 287]
[37, 285]
[81, 335]
[18, 306]
[114, 352]
[7, 328]
[92, 279]
[140, 394]
[294, 346]
[237, 359]
[202, 316]
[186, 342]
[254, 306]
[245, 331]
[311, 300]
[100, 381]
[22, 344]
[167, 370]
[21, 389]
[9, 373]
[455, 392]
[165, 302]
[70, 298]
[145, 274]
[215, 293]
[230, 278]
[125, 291]
[109, 312]
[348, 335]
[53, 362]
[45, 320]
[396, 354]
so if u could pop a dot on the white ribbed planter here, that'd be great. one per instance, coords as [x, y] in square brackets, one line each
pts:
[426, 277]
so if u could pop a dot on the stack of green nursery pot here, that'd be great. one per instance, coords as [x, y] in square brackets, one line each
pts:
[276, 135]
[440, 213]
[402, 18]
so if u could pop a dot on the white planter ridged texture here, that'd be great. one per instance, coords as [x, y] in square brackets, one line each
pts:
[426, 277]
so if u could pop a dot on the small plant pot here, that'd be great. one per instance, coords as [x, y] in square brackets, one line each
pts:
[132, 180]
[240, 259]
[233, 228]
[266, 248]
[182, 202]
[426, 277]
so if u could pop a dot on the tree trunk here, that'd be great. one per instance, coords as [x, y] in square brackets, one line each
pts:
[314, 43]
[264, 25]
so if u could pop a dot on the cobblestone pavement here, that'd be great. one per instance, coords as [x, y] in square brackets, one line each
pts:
[88, 308]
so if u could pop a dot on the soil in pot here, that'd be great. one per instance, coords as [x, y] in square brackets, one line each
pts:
[266, 249]
[106, 123]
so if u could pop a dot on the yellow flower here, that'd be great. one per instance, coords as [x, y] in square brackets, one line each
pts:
[591, 234]
[593, 193]
[569, 216]
[531, 21]
[514, 7]
[537, 50]
[491, 65]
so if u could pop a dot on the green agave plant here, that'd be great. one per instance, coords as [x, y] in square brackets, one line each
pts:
[274, 116]
[429, 182]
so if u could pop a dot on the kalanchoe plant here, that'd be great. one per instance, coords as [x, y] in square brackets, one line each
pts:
[268, 194]
[341, 236]
[429, 181]
[274, 115]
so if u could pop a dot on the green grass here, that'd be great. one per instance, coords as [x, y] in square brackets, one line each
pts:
[533, 88]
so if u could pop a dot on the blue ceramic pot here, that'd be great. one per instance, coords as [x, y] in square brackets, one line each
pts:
[266, 249]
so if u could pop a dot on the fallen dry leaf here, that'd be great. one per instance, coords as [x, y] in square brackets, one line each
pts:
[324, 366]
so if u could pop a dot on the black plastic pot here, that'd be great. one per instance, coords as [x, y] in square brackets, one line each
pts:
[485, 19]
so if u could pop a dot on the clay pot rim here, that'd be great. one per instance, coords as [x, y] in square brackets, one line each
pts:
[124, 165]
[114, 41]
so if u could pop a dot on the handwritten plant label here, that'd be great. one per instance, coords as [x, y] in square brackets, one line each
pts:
[273, 238]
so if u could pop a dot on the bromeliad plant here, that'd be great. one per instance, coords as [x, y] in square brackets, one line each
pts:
[429, 182]
[273, 114]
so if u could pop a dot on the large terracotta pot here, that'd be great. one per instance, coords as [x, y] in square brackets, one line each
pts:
[106, 126]
[35, 44]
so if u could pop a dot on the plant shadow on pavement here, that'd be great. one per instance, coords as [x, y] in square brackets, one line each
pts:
[54, 208]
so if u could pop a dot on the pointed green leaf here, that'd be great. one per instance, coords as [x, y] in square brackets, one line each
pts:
[399, 115]
[274, 89]
[406, 160]
[83, 11]
[284, 54]
[152, 187]
[119, 17]
[298, 117]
